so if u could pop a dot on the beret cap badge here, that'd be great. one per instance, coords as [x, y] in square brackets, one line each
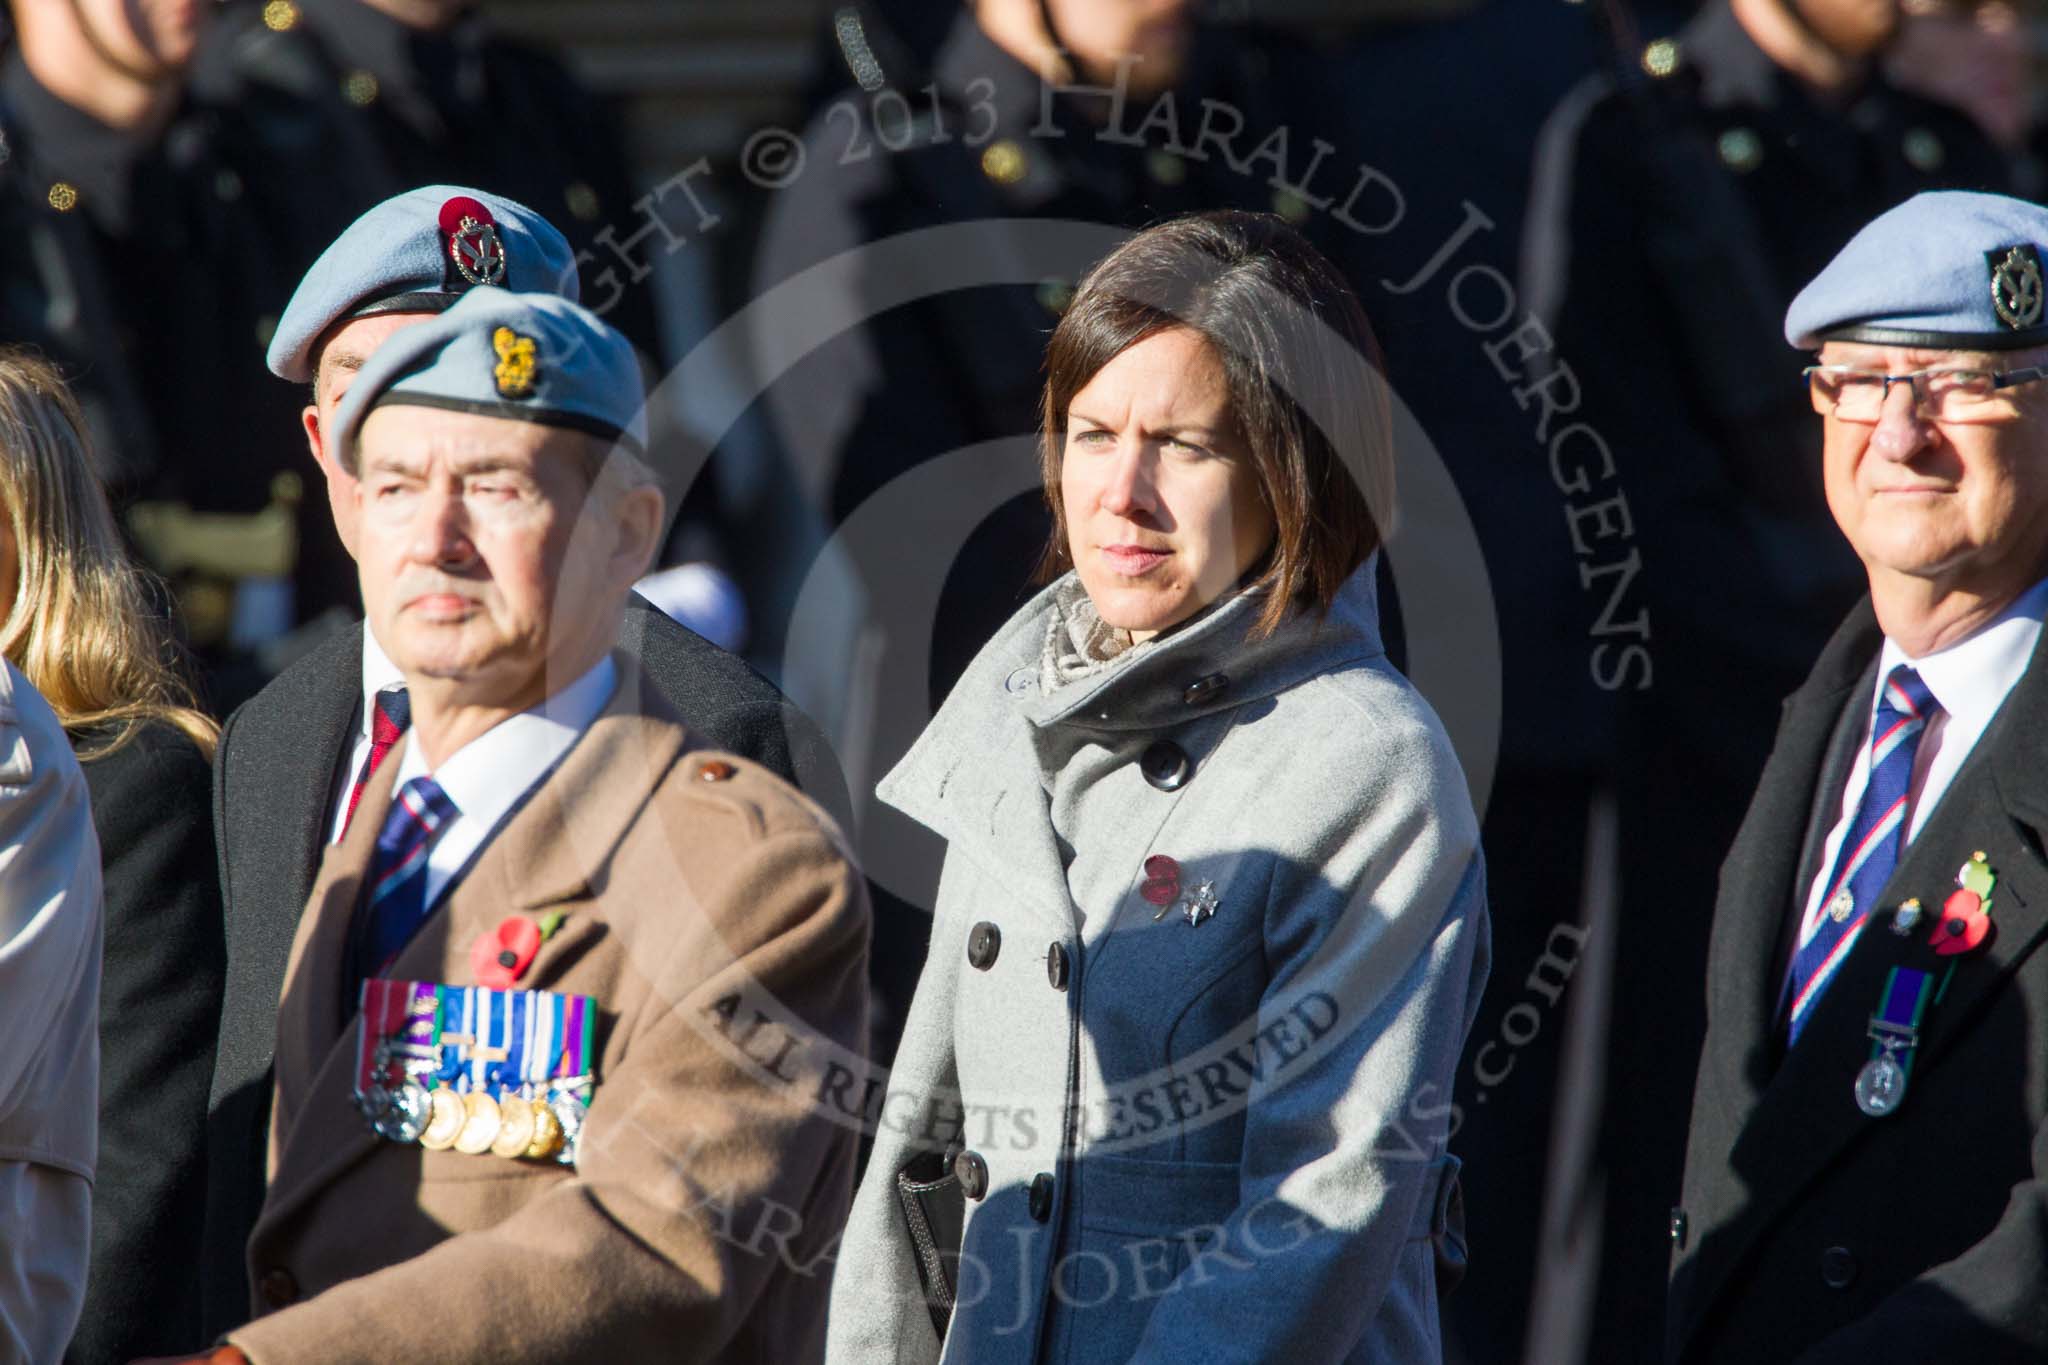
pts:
[473, 244]
[517, 368]
[2016, 294]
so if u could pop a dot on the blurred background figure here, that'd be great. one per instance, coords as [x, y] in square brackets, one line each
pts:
[144, 256]
[1977, 57]
[87, 629]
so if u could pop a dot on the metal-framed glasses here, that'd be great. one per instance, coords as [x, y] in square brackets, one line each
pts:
[1948, 394]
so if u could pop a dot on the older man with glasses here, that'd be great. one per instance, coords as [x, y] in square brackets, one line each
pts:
[1864, 1177]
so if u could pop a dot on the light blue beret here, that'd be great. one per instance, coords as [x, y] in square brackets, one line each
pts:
[528, 357]
[419, 252]
[1948, 270]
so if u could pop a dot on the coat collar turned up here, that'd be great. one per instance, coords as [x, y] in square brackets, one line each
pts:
[987, 759]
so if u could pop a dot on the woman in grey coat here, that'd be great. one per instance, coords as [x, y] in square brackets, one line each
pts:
[1211, 927]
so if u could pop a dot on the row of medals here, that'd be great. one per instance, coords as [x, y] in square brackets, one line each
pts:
[473, 1122]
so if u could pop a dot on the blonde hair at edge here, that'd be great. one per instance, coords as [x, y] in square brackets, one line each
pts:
[81, 628]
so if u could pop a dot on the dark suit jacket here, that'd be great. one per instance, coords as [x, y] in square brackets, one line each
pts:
[278, 759]
[1814, 1232]
[160, 992]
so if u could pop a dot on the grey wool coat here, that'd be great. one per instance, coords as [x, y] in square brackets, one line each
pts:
[1209, 937]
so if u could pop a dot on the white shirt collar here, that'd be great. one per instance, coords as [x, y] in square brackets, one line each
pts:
[488, 776]
[1972, 677]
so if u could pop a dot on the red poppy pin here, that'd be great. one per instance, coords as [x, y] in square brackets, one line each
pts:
[500, 956]
[1965, 920]
[1161, 886]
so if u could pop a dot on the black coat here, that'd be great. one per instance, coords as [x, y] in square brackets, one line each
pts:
[1810, 1231]
[278, 762]
[160, 993]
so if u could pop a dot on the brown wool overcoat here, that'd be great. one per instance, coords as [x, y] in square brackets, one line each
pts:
[713, 915]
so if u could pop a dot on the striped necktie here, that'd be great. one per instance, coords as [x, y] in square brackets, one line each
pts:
[1870, 850]
[389, 719]
[397, 901]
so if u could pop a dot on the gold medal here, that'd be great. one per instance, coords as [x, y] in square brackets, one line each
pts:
[547, 1132]
[445, 1117]
[480, 1125]
[515, 1129]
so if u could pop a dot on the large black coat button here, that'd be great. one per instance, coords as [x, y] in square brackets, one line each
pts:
[1056, 966]
[1205, 689]
[972, 1173]
[1041, 1197]
[1837, 1267]
[984, 941]
[1166, 765]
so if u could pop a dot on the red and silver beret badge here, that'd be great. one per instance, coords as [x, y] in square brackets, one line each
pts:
[473, 245]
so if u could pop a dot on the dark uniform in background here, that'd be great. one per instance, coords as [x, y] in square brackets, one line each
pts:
[1673, 218]
[945, 352]
[150, 266]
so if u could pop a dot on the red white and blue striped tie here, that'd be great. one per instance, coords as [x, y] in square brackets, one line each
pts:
[397, 902]
[1871, 848]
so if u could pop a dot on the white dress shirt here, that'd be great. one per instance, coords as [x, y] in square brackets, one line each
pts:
[379, 675]
[490, 776]
[1970, 679]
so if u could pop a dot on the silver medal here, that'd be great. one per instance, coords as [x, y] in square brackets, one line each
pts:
[404, 1114]
[569, 1113]
[1880, 1085]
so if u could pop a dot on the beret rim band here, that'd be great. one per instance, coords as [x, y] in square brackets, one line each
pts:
[423, 301]
[1873, 335]
[547, 417]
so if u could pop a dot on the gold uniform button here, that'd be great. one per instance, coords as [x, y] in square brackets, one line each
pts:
[717, 770]
[1660, 58]
[280, 16]
[359, 88]
[1004, 161]
[63, 196]
[1164, 167]
[1741, 150]
[1055, 295]
[1290, 206]
[1923, 151]
[581, 201]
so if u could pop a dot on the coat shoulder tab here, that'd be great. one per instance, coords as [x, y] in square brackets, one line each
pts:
[762, 804]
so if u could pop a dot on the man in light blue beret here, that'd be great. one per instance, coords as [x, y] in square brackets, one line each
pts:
[1864, 1177]
[548, 832]
[294, 761]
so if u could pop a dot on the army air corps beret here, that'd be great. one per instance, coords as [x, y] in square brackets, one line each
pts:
[1947, 270]
[528, 357]
[419, 252]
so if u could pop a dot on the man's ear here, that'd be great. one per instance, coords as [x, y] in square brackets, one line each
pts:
[640, 515]
[316, 444]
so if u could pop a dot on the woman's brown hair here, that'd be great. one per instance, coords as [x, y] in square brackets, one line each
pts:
[1304, 376]
[82, 628]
